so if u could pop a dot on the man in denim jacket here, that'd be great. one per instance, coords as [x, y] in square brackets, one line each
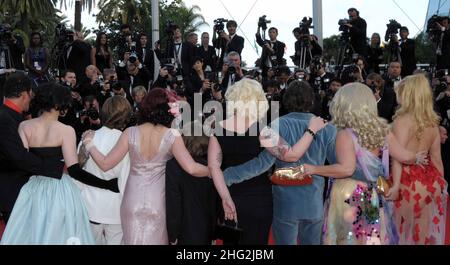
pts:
[298, 210]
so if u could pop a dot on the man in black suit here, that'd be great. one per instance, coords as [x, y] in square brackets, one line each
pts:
[16, 163]
[231, 71]
[230, 42]
[77, 55]
[358, 32]
[388, 102]
[273, 51]
[407, 52]
[145, 53]
[443, 56]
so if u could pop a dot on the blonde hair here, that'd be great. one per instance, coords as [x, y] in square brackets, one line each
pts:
[247, 98]
[354, 107]
[415, 98]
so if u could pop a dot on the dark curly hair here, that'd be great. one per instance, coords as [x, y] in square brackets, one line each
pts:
[298, 97]
[52, 96]
[154, 108]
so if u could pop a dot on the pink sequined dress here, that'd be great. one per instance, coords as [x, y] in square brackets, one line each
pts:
[143, 209]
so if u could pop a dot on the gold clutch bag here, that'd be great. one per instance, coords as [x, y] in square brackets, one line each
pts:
[291, 176]
[383, 185]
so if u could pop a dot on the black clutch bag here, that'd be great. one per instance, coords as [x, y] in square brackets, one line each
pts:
[230, 234]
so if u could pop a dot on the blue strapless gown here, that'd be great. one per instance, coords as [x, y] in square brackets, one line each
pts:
[49, 211]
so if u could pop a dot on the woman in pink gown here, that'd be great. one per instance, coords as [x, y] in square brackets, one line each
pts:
[150, 145]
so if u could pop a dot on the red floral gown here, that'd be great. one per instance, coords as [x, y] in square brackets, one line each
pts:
[420, 213]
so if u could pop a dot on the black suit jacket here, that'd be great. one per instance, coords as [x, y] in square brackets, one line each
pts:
[79, 57]
[236, 44]
[408, 55]
[16, 163]
[278, 48]
[191, 214]
[149, 60]
[443, 61]
[358, 35]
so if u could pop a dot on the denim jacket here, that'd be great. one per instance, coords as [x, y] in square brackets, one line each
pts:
[292, 202]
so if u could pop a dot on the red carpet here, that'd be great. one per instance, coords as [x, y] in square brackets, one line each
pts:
[447, 239]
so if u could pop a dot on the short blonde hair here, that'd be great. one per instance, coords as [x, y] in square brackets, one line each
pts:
[415, 97]
[247, 98]
[354, 106]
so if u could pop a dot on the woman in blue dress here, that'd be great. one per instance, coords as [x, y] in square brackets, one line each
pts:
[50, 210]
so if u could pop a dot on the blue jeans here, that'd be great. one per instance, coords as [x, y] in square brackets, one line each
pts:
[293, 232]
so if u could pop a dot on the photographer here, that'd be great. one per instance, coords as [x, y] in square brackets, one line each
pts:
[407, 52]
[145, 54]
[91, 82]
[384, 104]
[335, 85]
[110, 78]
[230, 42]
[77, 54]
[124, 41]
[207, 53]
[443, 56]
[69, 79]
[273, 50]
[357, 28]
[132, 74]
[231, 71]
[320, 79]
[306, 47]
[375, 54]
[89, 116]
[12, 56]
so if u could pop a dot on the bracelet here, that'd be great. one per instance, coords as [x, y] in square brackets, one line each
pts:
[311, 132]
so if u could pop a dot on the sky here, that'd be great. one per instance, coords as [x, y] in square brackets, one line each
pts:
[286, 15]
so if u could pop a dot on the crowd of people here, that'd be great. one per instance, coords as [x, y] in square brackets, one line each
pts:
[109, 153]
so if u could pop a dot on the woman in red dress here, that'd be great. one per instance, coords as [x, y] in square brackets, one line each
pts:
[421, 190]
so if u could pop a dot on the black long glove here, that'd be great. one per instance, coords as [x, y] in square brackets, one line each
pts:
[87, 178]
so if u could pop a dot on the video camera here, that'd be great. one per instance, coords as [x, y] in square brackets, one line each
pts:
[433, 30]
[219, 25]
[392, 29]
[342, 24]
[262, 22]
[5, 33]
[170, 27]
[63, 36]
[305, 25]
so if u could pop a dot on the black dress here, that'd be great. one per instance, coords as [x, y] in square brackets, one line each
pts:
[253, 198]
[102, 60]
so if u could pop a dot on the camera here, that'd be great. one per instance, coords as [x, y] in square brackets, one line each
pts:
[305, 25]
[342, 24]
[219, 24]
[433, 30]
[91, 112]
[170, 27]
[392, 29]
[132, 50]
[5, 33]
[262, 22]
[63, 36]
[316, 64]
[231, 69]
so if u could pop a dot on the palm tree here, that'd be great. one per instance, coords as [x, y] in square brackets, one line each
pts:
[26, 12]
[79, 6]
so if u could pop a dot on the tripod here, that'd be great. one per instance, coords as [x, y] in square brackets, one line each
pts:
[58, 61]
[5, 56]
[305, 51]
[345, 52]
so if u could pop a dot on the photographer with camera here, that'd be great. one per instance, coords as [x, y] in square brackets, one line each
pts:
[91, 82]
[438, 29]
[145, 54]
[12, 49]
[231, 71]
[89, 116]
[109, 79]
[132, 74]
[357, 28]
[273, 50]
[306, 46]
[227, 43]
[124, 41]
